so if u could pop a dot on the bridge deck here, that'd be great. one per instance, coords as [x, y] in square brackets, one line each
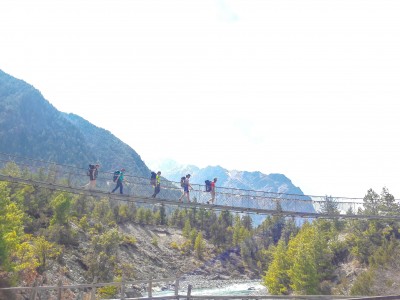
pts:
[169, 202]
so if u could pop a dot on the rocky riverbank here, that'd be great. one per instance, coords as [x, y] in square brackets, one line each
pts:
[202, 282]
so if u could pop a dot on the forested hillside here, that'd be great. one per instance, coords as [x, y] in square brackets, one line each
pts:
[49, 235]
[356, 257]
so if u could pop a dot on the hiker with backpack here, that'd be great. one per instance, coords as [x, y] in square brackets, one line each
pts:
[157, 184]
[118, 178]
[186, 187]
[92, 172]
[211, 189]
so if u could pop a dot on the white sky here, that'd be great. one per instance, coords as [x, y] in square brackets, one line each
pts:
[309, 89]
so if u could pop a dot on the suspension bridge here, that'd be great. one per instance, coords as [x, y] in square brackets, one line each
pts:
[138, 189]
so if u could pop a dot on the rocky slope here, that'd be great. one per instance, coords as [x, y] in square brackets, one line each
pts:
[153, 256]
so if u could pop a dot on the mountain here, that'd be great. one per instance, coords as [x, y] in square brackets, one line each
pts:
[274, 183]
[30, 126]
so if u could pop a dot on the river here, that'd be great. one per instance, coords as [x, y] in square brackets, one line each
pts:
[243, 288]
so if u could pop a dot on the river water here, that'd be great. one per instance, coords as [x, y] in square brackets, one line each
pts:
[244, 288]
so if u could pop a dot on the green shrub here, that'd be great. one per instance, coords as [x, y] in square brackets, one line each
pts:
[174, 245]
[129, 240]
[363, 284]
[108, 292]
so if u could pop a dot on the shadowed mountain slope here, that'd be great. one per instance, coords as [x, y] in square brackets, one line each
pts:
[30, 126]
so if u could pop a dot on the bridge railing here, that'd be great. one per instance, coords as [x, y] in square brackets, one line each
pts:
[129, 290]
[125, 290]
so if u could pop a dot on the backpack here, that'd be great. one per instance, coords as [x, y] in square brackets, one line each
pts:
[91, 167]
[208, 185]
[183, 181]
[153, 178]
[116, 175]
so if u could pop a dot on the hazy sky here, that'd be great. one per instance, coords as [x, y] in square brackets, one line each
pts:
[309, 89]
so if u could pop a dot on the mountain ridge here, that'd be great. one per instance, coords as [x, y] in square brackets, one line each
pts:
[245, 180]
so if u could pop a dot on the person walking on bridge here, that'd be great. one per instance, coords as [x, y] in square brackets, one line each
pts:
[186, 188]
[119, 179]
[212, 191]
[157, 187]
[93, 172]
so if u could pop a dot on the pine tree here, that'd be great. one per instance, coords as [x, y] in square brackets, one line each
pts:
[61, 207]
[276, 278]
[141, 215]
[329, 206]
[199, 245]
[16, 252]
[163, 216]
[240, 232]
[45, 250]
[303, 272]
[371, 203]
[187, 229]
[387, 204]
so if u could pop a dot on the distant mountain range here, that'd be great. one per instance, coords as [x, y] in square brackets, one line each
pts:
[275, 183]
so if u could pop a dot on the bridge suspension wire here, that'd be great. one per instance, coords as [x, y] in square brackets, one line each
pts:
[235, 191]
[226, 191]
[139, 189]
